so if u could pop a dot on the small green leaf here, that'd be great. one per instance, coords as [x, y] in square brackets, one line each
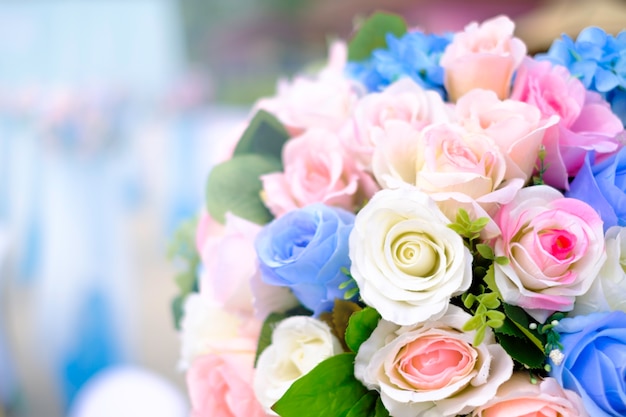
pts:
[360, 327]
[485, 250]
[177, 310]
[474, 323]
[501, 260]
[480, 335]
[490, 300]
[479, 224]
[463, 218]
[371, 34]
[264, 135]
[235, 186]
[329, 390]
[457, 228]
[468, 300]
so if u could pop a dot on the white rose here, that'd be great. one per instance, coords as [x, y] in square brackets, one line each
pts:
[207, 328]
[298, 345]
[432, 369]
[608, 291]
[405, 260]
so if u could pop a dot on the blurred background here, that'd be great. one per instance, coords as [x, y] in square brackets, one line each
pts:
[112, 113]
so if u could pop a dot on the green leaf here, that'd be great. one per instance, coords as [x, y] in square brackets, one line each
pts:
[380, 410]
[485, 250]
[372, 34]
[264, 135]
[522, 350]
[474, 323]
[509, 328]
[329, 390]
[360, 327]
[366, 406]
[235, 186]
[479, 224]
[519, 317]
[177, 310]
[463, 218]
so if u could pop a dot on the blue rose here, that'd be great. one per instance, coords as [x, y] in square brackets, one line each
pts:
[594, 362]
[306, 250]
[603, 187]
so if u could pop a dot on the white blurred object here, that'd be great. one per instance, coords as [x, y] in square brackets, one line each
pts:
[127, 391]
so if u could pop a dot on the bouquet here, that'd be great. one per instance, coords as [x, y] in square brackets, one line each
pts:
[429, 225]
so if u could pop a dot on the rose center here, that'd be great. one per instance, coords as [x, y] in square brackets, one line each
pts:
[557, 242]
[414, 254]
[459, 154]
[430, 363]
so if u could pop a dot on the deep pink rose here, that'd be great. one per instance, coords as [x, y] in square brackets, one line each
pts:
[317, 170]
[586, 121]
[518, 397]
[221, 386]
[555, 246]
[483, 56]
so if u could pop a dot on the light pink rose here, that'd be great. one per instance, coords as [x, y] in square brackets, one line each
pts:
[586, 121]
[515, 127]
[323, 100]
[317, 170]
[229, 273]
[518, 397]
[456, 167]
[482, 56]
[432, 369]
[403, 100]
[555, 246]
[221, 386]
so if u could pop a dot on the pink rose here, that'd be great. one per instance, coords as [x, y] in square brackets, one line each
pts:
[456, 167]
[518, 397]
[228, 251]
[221, 386]
[324, 100]
[516, 128]
[483, 56]
[432, 368]
[403, 100]
[586, 121]
[317, 170]
[555, 246]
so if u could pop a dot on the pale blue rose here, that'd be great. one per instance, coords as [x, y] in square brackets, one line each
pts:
[306, 250]
[594, 362]
[603, 187]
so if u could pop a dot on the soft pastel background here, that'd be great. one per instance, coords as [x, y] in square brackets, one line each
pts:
[111, 112]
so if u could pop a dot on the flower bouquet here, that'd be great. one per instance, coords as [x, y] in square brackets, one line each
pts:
[430, 225]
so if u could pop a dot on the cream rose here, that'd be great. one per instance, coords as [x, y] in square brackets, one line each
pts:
[608, 291]
[299, 343]
[405, 260]
[432, 369]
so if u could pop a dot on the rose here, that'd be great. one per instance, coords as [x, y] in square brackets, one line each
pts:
[298, 345]
[317, 170]
[220, 386]
[405, 260]
[403, 100]
[586, 121]
[324, 100]
[602, 185]
[555, 246]
[608, 291]
[207, 328]
[519, 397]
[306, 250]
[228, 250]
[456, 167]
[482, 56]
[594, 349]
[515, 127]
[432, 368]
